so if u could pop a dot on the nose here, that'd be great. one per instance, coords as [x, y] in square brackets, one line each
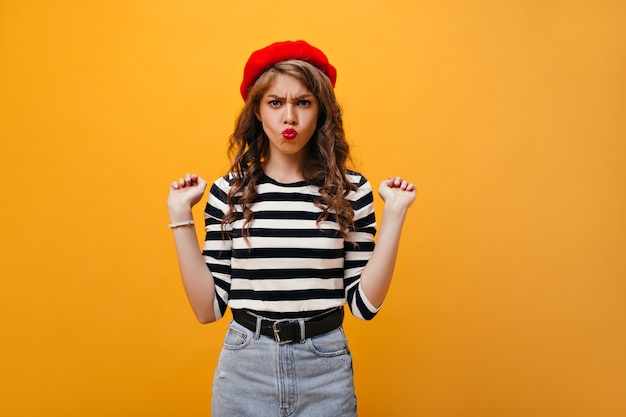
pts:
[290, 117]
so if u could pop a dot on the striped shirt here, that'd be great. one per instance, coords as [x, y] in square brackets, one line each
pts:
[291, 266]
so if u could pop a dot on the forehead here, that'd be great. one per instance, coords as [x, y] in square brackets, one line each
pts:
[286, 85]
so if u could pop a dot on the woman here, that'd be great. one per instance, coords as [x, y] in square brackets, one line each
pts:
[289, 241]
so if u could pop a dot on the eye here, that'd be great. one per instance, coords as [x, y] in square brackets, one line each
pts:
[304, 103]
[274, 103]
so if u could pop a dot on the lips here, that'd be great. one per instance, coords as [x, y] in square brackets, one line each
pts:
[289, 133]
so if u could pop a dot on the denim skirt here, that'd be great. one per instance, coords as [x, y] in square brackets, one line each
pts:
[257, 377]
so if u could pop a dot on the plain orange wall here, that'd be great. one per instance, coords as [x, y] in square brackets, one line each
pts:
[509, 297]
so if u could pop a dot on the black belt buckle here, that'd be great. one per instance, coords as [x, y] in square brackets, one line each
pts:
[276, 326]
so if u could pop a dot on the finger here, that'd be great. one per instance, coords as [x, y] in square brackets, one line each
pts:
[174, 185]
[391, 182]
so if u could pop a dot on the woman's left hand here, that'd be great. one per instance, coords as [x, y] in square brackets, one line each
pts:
[397, 192]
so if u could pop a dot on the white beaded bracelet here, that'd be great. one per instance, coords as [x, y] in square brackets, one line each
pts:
[179, 224]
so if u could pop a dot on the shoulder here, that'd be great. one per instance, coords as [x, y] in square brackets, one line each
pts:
[357, 178]
[221, 188]
[361, 184]
[224, 182]
[362, 187]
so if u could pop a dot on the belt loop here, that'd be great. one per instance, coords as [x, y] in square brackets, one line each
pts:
[257, 331]
[302, 330]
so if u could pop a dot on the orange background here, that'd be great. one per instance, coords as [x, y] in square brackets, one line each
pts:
[509, 297]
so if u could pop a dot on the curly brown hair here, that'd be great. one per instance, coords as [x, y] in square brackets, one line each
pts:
[328, 151]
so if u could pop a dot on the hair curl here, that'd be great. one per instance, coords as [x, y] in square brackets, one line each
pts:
[328, 151]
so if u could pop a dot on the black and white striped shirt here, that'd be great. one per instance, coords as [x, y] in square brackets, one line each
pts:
[291, 265]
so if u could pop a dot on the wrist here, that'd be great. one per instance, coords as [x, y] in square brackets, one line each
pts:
[180, 213]
[397, 210]
[180, 224]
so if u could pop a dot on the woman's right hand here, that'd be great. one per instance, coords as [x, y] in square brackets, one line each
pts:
[184, 194]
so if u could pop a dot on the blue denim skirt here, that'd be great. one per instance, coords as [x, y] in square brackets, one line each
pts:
[257, 377]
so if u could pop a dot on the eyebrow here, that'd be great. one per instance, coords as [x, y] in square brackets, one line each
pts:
[274, 96]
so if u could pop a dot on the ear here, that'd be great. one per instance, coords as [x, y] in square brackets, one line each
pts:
[257, 113]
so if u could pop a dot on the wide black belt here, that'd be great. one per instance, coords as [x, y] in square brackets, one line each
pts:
[290, 330]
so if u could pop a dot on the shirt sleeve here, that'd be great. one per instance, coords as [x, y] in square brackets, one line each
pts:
[217, 248]
[359, 251]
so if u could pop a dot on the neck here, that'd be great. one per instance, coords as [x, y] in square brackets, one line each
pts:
[285, 168]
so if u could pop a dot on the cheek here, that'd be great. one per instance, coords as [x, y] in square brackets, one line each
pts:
[315, 122]
[317, 119]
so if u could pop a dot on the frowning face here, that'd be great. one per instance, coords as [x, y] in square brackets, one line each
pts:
[288, 112]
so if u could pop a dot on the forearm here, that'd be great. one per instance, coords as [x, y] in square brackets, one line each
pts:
[196, 276]
[377, 274]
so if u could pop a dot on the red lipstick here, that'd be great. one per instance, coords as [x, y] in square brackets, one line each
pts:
[290, 133]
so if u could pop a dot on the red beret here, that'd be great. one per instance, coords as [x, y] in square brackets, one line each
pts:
[264, 58]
